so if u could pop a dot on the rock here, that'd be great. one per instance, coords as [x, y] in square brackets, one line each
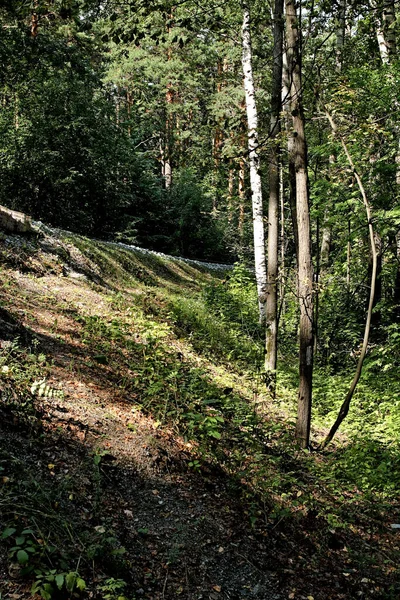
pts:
[15, 222]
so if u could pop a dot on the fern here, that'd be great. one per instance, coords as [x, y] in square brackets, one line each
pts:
[42, 389]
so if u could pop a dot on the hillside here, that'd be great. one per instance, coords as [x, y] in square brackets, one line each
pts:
[139, 457]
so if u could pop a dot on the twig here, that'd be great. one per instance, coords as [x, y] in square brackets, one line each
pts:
[250, 563]
[165, 585]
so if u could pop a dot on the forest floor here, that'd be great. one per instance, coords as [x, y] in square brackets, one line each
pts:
[138, 461]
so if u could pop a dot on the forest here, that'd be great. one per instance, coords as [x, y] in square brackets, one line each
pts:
[200, 316]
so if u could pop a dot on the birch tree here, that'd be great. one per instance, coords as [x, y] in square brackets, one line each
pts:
[254, 165]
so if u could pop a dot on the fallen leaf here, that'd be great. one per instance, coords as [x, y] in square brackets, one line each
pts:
[100, 529]
[217, 588]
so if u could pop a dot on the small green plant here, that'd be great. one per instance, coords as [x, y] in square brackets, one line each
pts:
[112, 589]
[205, 425]
[26, 547]
[104, 543]
[49, 581]
[195, 465]
[42, 389]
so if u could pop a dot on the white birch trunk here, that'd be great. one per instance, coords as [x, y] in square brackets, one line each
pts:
[386, 37]
[254, 163]
[385, 21]
[383, 51]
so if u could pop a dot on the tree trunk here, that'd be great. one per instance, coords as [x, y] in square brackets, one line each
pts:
[34, 20]
[16, 112]
[254, 162]
[271, 337]
[286, 83]
[305, 270]
[348, 256]
[242, 197]
[117, 107]
[281, 312]
[317, 280]
[340, 34]
[376, 314]
[325, 244]
[167, 164]
[327, 227]
[129, 111]
[169, 126]
[385, 20]
[231, 185]
[396, 291]
[386, 35]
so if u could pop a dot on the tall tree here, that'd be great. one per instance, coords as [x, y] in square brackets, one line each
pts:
[254, 164]
[271, 336]
[305, 269]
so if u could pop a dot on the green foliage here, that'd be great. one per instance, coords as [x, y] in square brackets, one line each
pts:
[21, 371]
[49, 582]
[58, 540]
[372, 466]
[112, 589]
[196, 233]
[234, 299]
[221, 338]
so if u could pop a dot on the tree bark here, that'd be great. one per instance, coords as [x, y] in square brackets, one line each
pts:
[281, 311]
[254, 162]
[376, 314]
[305, 270]
[271, 333]
[348, 256]
[396, 291]
[325, 244]
[340, 34]
[169, 126]
[286, 83]
[129, 111]
[385, 20]
[386, 35]
[34, 20]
